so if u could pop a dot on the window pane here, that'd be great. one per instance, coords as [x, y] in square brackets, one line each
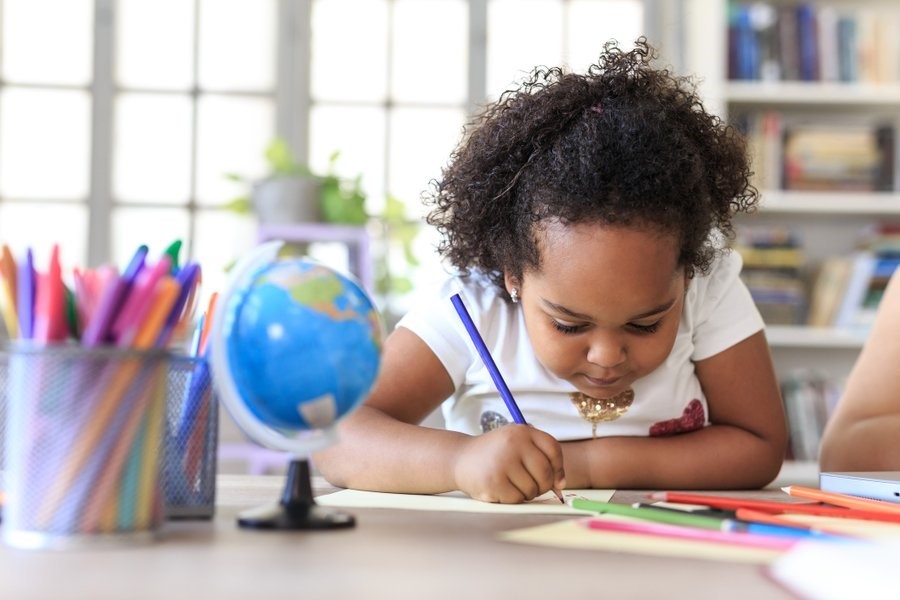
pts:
[231, 138]
[237, 44]
[152, 148]
[349, 49]
[592, 23]
[220, 238]
[141, 60]
[47, 41]
[416, 159]
[358, 134]
[44, 144]
[63, 224]
[155, 227]
[430, 51]
[521, 35]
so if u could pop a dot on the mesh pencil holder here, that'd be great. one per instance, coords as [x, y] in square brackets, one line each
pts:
[191, 440]
[83, 440]
[55, 390]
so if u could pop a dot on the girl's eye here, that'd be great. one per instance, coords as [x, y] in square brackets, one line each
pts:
[651, 328]
[568, 329]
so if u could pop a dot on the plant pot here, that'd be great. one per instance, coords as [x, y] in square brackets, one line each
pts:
[288, 200]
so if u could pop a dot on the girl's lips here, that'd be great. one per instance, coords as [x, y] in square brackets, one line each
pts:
[605, 382]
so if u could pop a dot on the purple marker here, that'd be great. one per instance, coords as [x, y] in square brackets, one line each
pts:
[27, 289]
[99, 324]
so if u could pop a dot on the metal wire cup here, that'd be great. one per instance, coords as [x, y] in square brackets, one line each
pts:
[84, 446]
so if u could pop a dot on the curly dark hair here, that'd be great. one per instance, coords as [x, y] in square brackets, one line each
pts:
[624, 144]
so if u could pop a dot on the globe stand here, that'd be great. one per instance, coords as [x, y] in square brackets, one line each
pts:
[297, 508]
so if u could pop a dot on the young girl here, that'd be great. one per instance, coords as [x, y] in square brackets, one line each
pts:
[584, 214]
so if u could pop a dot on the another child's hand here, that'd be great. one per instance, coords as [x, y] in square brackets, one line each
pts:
[512, 464]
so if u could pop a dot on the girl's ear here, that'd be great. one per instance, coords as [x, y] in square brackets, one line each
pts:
[510, 282]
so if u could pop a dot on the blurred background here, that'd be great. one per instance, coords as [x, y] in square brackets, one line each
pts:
[127, 122]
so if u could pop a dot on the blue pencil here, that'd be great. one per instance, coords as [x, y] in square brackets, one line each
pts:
[488, 360]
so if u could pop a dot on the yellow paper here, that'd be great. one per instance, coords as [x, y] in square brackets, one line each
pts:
[458, 502]
[573, 535]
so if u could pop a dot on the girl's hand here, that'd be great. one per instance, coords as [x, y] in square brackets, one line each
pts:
[509, 465]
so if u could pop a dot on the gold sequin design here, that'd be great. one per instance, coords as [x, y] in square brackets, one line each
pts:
[602, 410]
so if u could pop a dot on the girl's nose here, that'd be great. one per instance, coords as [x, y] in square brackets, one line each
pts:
[606, 350]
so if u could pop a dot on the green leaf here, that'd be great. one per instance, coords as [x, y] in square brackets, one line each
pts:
[240, 205]
[279, 156]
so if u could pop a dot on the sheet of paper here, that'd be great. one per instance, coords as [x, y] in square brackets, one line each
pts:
[571, 534]
[864, 569]
[457, 501]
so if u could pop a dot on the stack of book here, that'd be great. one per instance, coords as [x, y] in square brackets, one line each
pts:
[792, 153]
[773, 264]
[838, 157]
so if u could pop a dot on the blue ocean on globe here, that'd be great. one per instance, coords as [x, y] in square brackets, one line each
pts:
[303, 344]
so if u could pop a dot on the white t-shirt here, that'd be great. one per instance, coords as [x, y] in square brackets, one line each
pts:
[718, 313]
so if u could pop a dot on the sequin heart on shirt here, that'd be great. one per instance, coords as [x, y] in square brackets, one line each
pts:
[691, 419]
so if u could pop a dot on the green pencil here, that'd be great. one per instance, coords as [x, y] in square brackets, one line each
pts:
[658, 515]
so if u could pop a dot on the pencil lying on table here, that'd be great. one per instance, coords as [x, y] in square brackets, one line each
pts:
[844, 500]
[686, 519]
[774, 506]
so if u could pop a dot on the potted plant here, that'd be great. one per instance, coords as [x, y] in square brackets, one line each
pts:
[291, 193]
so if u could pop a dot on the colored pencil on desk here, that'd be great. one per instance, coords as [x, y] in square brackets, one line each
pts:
[491, 366]
[756, 516]
[844, 500]
[692, 533]
[773, 506]
[687, 519]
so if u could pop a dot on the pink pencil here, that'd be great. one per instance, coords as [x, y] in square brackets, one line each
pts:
[735, 538]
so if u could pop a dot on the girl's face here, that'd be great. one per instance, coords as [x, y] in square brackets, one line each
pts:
[604, 309]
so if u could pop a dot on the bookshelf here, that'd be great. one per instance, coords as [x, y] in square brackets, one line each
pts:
[828, 221]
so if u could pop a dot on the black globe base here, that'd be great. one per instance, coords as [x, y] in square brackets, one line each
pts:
[297, 508]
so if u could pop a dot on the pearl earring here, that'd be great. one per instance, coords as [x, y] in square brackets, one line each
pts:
[514, 295]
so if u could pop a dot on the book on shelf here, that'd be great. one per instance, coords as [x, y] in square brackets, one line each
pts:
[813, 41]
[809, 399]
[847, 290]
[773, 261]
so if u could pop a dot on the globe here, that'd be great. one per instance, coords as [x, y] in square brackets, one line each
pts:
[295, 347]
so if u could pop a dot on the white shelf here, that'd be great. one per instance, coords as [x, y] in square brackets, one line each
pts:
[837, 203]
[815, 93]
[796, 336]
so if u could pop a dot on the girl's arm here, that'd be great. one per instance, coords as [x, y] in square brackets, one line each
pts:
[743, 447]
[863, 434]
[383, 448]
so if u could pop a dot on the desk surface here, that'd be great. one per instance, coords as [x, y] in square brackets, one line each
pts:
[389, 554]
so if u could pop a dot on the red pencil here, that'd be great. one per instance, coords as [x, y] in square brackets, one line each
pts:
[774, 506]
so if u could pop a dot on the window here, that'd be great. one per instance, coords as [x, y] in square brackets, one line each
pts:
[120, 118]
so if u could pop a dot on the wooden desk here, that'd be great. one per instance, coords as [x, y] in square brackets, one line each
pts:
[389, 554]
